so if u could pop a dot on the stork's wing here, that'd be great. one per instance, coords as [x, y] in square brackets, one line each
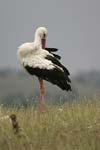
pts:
[50, 50]
[49, 69]
[55, 76]
[56, 62]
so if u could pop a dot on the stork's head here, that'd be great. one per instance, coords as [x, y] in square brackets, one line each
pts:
[41, 32]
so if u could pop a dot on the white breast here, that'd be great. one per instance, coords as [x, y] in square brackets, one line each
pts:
[24, 50]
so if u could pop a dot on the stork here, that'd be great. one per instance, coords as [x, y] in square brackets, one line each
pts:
[43, 63]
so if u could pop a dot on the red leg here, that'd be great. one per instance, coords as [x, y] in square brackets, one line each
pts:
[41, 95]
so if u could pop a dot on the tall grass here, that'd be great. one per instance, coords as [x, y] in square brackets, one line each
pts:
[73, 126]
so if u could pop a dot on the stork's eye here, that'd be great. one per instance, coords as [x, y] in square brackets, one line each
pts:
[44, 35]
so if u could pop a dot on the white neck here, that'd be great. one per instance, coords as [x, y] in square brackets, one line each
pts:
[37, 42]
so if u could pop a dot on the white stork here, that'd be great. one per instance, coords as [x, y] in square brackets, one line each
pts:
[41, 62]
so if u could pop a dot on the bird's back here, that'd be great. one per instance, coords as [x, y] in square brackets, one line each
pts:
[24, 51]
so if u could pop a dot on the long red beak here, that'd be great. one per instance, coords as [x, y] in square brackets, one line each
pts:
[43, 41]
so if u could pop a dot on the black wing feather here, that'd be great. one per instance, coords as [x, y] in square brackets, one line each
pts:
[55, 76]
[56, 56]
[50, 50]
[55, 61]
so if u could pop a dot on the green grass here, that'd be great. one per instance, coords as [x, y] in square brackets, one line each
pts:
[73, 126]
